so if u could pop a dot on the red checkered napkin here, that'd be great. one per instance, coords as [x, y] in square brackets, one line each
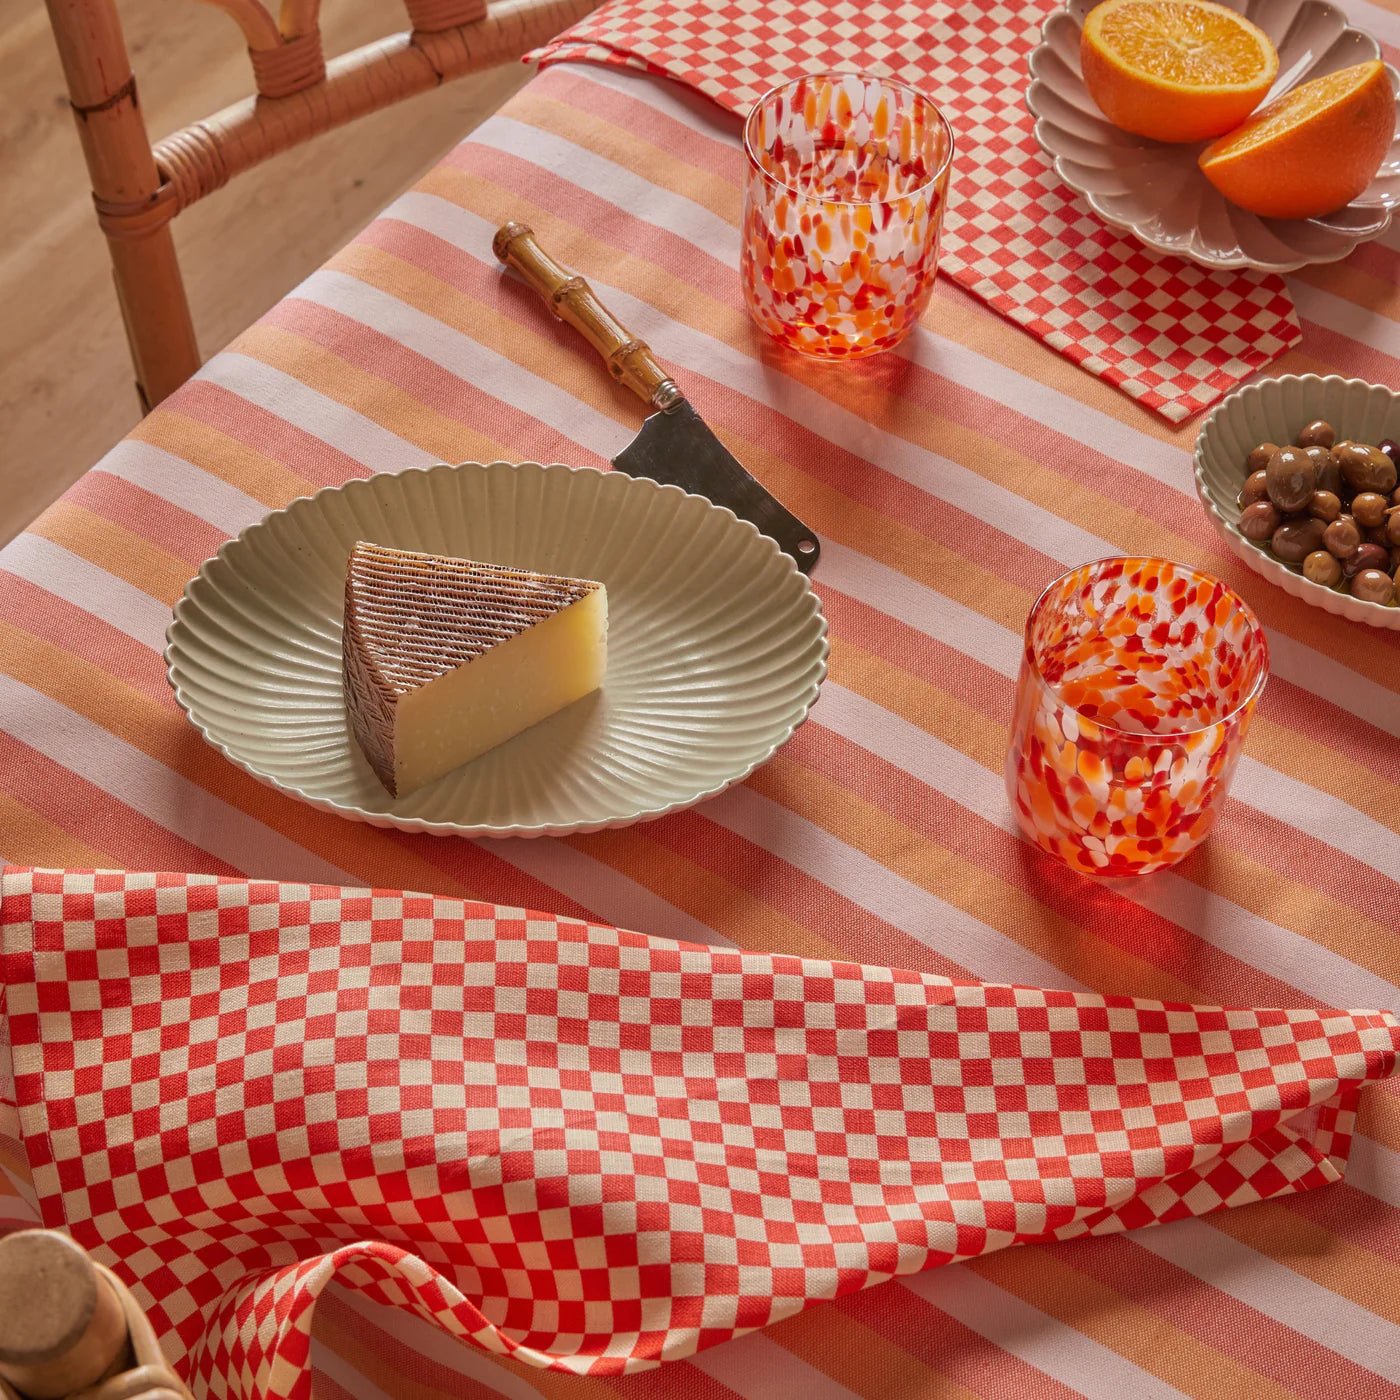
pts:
[1174, 336]
[588, 1148]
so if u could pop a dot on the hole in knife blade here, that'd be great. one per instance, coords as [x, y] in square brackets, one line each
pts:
[806, 546]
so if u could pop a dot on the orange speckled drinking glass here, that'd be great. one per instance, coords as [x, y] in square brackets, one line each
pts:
[1137, 685]
[847, 179]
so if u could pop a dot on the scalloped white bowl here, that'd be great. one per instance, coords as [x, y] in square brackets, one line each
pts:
[716, 650]
[1273, 410]
[1156, 191]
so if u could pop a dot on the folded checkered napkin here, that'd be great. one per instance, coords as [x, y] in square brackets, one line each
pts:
[1174, 336]
[588, 1148]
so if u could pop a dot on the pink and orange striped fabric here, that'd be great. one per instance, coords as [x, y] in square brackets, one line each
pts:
[949, 482]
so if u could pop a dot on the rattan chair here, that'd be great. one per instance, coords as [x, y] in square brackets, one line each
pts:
[139, 188]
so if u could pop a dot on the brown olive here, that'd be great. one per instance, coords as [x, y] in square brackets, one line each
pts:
[1294, 540]
[1369, 508]
[1292, 478]
[1259, 521]
[1259, 456]
[1365, 468]
[1322, 568]
[1324, 505]
[1255, 488]
[1318, 433]
[1372, 586]
[1368, 556]
[1342, 538]
[1392, 527]
[1395, 496]
[1329, 474]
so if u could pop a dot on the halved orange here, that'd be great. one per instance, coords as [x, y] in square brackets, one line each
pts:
[1310, 151]
[1175, 70]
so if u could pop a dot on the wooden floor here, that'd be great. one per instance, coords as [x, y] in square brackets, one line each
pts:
[65, 389]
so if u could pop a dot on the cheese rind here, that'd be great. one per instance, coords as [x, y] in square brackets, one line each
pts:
[446, 658]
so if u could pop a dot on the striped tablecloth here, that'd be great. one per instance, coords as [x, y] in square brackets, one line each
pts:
[949, 482]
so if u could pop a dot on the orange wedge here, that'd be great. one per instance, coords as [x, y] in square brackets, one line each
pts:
[1312, 150]
[1175, 70]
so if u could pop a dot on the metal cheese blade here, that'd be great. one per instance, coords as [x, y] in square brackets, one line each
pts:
[676, 447]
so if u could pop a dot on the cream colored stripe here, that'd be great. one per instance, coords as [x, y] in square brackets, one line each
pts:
[844, 1343]
[1364, 324]
[433, 430]
[1351, 284]
[613, 896]
[462, 356]
[1374, 1169]
[183, 484]
[1073, 1359]
[430, 1341]
[221, 454]
[690, 109]
[110, 545]
[157, 792]
[609, 180]
[757, 1368]
[357, 436]
[1132, 1327]
[84, 585]
[325, 1361]
[1279, 1292]
[985, 951]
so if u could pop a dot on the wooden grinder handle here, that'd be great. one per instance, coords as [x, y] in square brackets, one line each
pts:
[573, 301]
[62, 1326]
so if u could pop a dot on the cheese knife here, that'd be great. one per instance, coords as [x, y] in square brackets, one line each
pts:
[674, 445]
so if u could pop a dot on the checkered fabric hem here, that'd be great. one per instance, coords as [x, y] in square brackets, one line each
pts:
[1172, 335]
[585, 1147]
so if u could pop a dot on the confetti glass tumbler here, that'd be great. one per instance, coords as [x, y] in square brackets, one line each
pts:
[843, 205]
[1137, 684]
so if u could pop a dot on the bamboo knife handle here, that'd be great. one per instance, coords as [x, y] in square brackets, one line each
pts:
[572, 301]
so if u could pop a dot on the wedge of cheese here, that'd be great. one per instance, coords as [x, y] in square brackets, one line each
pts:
[446, 658]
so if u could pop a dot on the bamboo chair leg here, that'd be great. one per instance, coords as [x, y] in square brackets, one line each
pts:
[133, 206]
[156, 313]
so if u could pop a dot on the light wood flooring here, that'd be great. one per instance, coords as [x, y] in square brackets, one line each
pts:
[65, 382]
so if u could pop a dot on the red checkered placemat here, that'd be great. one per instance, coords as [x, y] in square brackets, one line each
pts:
[586, 1148]
[1174, 336]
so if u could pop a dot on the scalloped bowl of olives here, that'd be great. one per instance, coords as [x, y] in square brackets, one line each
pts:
[1299, 475]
